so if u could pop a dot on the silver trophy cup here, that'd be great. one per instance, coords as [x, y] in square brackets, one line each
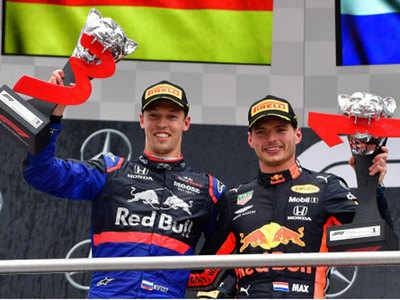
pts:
[368, 230]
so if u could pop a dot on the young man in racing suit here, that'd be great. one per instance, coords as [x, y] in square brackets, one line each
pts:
[286, 209]
[155, 205]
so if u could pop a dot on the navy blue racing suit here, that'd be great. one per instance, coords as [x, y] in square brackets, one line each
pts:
[285, 212]
[140, 208]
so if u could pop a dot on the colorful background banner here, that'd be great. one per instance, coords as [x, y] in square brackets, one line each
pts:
[221, 31]
[368, 32]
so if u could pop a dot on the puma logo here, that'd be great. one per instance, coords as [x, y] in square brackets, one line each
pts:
[245, 290]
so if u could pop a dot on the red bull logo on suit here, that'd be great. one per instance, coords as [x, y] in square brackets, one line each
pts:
[271, 236]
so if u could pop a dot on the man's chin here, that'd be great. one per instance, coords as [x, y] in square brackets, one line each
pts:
[163, 151]
[273, 162]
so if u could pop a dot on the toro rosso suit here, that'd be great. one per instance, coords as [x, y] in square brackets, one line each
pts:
[286, 212]
[140, 208]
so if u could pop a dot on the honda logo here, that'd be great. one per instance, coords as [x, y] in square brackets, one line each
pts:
[140, 170]
[300, 210]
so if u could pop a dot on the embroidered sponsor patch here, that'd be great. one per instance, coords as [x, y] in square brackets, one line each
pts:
[163, 89]
[242, 199]
[280, 286]
[305, 189]
[269, 104]
[150, 286]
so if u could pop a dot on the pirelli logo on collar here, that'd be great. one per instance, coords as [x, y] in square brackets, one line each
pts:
[162, 89]
[269, 104]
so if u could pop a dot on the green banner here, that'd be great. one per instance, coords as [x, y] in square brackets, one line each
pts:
[163, 34]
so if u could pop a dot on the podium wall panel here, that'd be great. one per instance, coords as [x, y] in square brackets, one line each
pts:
[36, 225]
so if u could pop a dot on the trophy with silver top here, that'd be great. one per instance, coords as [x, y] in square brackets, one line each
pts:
[368, 230]
[109, 34]
[101, 44]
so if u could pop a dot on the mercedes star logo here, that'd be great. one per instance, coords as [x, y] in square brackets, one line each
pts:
[103, 139]
[78, 250]
[339, 280]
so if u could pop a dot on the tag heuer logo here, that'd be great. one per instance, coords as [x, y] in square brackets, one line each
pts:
[242, 199]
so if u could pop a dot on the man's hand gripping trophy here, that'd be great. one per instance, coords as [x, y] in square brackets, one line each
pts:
[367, 122]
[101, 44]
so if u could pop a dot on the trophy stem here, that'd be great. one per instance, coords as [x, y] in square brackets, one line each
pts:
[368, 230]
[68, 74]
[366, 191]
[47, 107]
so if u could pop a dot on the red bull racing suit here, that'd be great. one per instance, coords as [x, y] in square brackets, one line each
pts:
[281, 213]
[146, 207]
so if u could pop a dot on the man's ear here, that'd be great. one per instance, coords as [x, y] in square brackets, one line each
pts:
[187, 123]
[250, 139]
[141, 120]
[299, 135]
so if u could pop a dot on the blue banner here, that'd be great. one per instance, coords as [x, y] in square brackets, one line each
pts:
[369, 32]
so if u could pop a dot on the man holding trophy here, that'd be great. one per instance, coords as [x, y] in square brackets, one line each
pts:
[155, 205]
[286, 209]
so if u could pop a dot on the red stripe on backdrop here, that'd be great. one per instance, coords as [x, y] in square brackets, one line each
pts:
[180, 4]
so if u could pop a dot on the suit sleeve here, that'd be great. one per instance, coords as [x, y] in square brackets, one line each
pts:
[221, 241]
[340, 202]
[62, 178]
[215, 190]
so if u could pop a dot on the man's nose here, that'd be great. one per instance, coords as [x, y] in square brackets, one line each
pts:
[270, 136]
[162, 122]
